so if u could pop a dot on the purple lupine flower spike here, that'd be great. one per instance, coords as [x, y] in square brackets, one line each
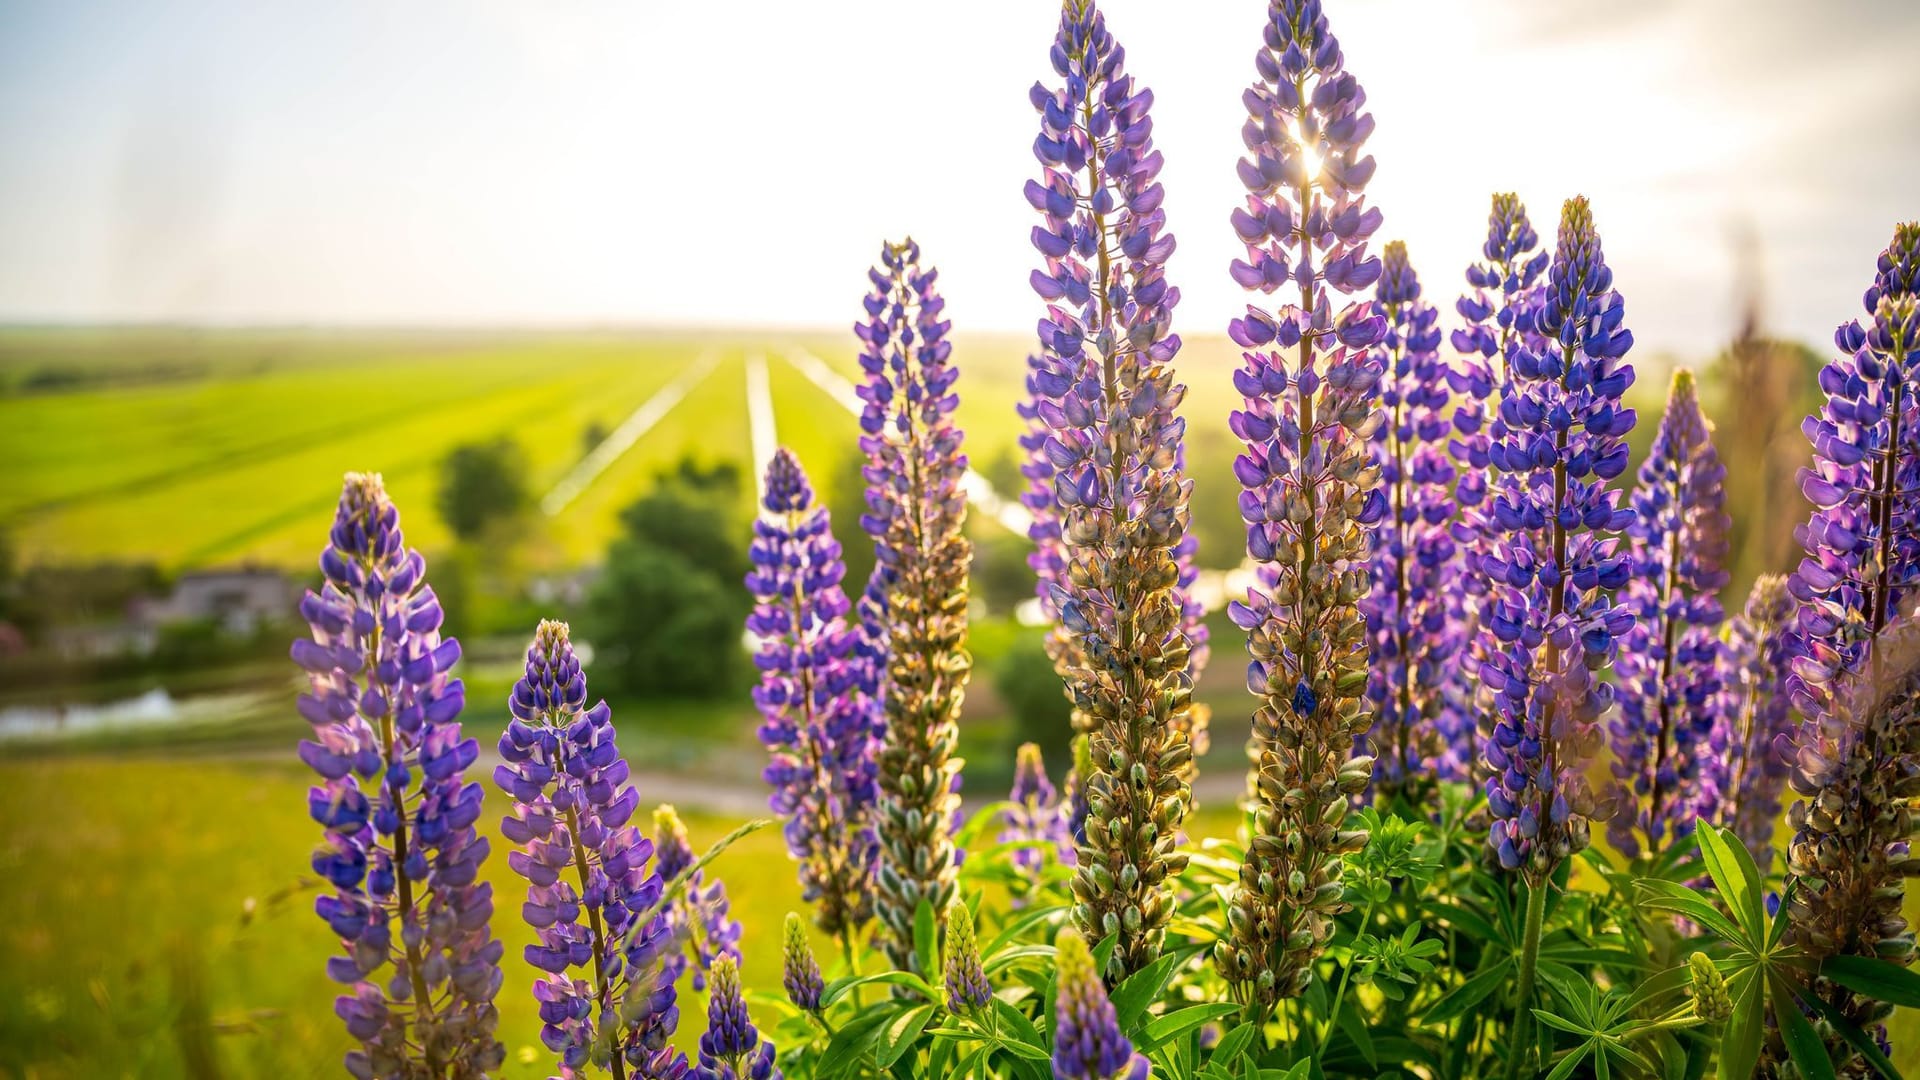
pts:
[1753, 713]
[701, 913]
[732, 1048]
[1664, 763]
[1855, 644]
[1036, 814]
[815, 698]
[1310, 378]
[1550, 623]
[965, 978]
[1087, 1041]
[400, 845]
[916, 511]
[800, 970]
[605, 993]
[1104, 387]
[1499, 312]
[1417, 734]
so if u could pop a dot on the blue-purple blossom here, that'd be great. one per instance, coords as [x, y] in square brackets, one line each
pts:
[701, 913]
[820, 720]
[916, 511]
[1418, 735]
[1550, 623]
[605, 993]
[1752, 714]
[1309, 378]
[1038, 813]
[800, 970]
[1104, 388]
[732, 1048]
[1851, 676]
[1669, 669]
[400, 853]
[1087, 1041]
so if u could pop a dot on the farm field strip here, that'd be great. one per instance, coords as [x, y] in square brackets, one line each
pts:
[629, 432]
[979, 490]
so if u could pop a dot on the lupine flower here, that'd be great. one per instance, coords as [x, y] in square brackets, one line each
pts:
[1550, 623]
[815, 697]
[1037, 813]
[1669, 666]
[1417, 733]
[966, 980]
[603, 997]
[732, 1048]
[1857, 753]
[1105, 389]
[1309, 378]
[800, 972]
[1087, 1041]
[916, 510]
[1711, 1001]
[1500, 314]
[702, 912]
[400, 845]
[1752, 715]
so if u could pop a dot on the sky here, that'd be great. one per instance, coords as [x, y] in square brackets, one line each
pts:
[739, 164]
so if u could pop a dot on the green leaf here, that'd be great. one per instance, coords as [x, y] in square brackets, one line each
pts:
[1740, 1044]
[1015, 1022]
[1020, 1049]
[900, 1033]
[850, 1043]
[1878, 979]
[1006, 958]
[1103, 952]
[1235, 1042]
[1736, 876]
[1457, 1001]
[1139, 990]
[1571, 1062]
[967, 1064]
[926, 938]
[839, 987]
[1804, 1044]
[1466, 919]
[1017, 928]
[1676, 898]
[1164, 1029]
[1354, 1027]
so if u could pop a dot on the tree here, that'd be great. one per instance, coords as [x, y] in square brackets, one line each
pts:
[661, 625]
[693, 511]
[481, 484]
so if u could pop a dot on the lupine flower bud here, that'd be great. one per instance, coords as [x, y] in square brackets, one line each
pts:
[1310, 379]
[967, 989]
[732, 1048]
[400, 844]
[1104, 387]
[1418, 734]
[1087, 1041]
[1855, 648]
[701, 914]
[1664, 762]
[1037, 814]
[916, 510]
[1753, 715]
[1550, 624]
[820, 720]
[1711, 1002]
[1500, 314]
[801, 972]
[605, 993]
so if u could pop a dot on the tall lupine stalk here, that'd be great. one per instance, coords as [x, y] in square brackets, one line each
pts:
[400, 845]
[1087, 1041]
[1417, 733]
[1310, 382]
[1669, 668]
[1857, 755]
[701, 914]
[819, 719]
[916, 510]
[1105, 388]
[1500, 318]
[606, 996]
[1551, 621]
[732, 1048]
[1753, 713]
[1038, 814]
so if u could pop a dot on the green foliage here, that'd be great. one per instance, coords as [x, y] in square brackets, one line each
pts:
[482, 485]
[1025, 680]
[661, 625]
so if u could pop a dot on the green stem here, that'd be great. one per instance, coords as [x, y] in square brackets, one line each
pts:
[1346, 972]
[1529, 959]
[852, 954]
